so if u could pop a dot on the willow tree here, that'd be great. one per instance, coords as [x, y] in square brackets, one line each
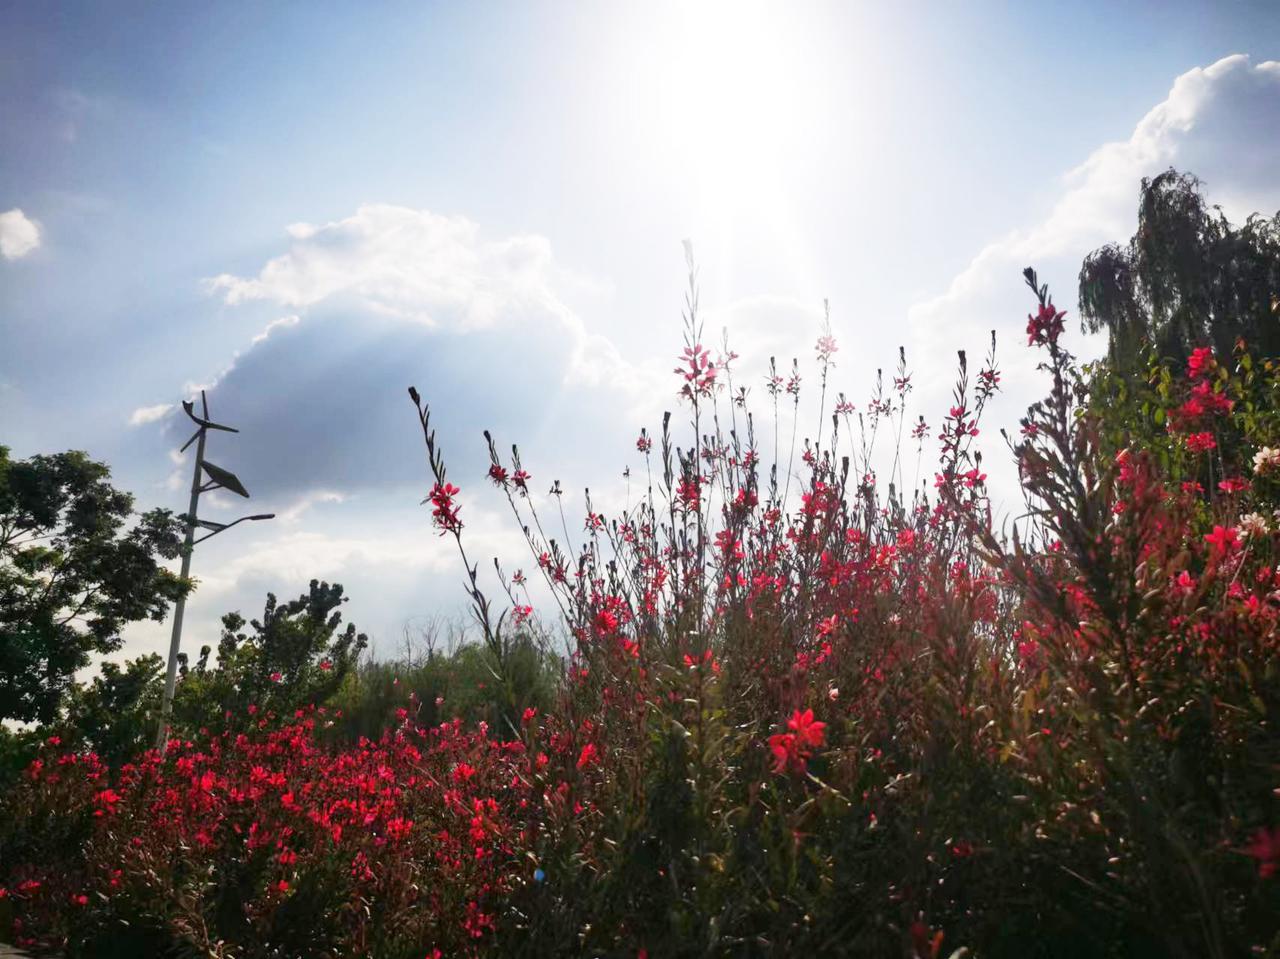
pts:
[1186, 278]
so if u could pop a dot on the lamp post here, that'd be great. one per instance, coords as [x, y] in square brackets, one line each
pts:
[218, 478]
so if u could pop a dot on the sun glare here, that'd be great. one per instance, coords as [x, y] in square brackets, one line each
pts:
[743, 110]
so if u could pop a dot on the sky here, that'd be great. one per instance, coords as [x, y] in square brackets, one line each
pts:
[306, 208]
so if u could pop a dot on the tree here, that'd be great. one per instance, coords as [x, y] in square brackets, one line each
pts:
[292, 657]
[1186, 278]
[73, 573]
[116, 713]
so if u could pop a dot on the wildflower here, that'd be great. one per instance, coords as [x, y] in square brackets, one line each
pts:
[521, 479]
[277, 676]
[1233, 484]
[498, 475]
[699, 372]
[1266, 460]
[1265, 847]
[1201, 442]
[1223, 539]
[326, 665]
[444, 512]
[1253, 525]
[1045, 327]
[644, 444]
[810, 733]
[689, 493]
[589, 756]
[791, 750]
[1200, 362]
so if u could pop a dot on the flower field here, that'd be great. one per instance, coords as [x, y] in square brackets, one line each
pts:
[802, 709]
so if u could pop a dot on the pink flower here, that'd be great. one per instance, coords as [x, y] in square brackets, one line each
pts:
[444, 512]
[1045, 327]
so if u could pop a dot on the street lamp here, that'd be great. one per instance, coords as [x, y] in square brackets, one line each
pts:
[218, 478]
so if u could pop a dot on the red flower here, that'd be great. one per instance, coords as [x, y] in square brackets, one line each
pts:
[792, 750]
[1201, 442]
[1200, 362]
[589, 756]
[786, 755]
[444, 512]
[1265, 847]
[1045, 327]
[809, 733]
[1223, 539]
[498, 475]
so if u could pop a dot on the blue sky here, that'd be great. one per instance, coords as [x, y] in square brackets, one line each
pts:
[309, 206]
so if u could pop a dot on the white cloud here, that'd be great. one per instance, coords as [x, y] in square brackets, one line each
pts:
[149, 414]
[433, 270]
[294, 512]
[282, 323]
[19, 234]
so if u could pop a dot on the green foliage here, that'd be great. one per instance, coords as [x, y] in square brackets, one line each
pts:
[296, 655]
[1187, 278]
[71, 575]
[460, 681]
[116, 714]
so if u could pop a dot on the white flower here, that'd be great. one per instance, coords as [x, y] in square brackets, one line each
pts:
[1266, 459]
[1254, 524]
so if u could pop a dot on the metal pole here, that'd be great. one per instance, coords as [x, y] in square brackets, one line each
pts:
[171, 675]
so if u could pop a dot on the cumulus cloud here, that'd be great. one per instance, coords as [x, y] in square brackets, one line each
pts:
[391, 296]
[149, 414]
[19, 234]
[434, 270]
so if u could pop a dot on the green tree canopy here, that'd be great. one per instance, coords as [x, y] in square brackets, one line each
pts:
[1186, 278]
[74, 570]
[295, 655]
